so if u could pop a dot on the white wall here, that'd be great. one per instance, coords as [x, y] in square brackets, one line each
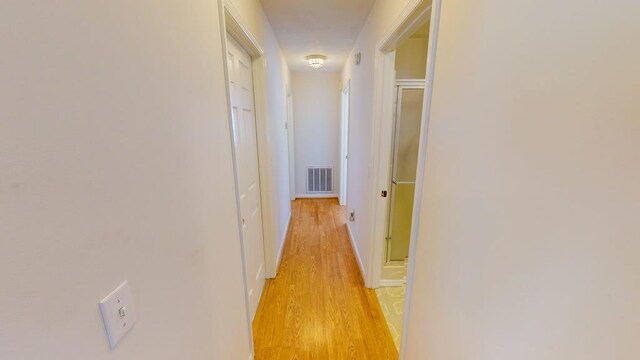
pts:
[360, 189]
[316, 114]
[116, 164]
[529, 238]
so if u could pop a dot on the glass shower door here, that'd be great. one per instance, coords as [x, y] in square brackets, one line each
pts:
[405, 162]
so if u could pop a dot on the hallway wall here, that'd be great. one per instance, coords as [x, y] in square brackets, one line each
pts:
[529, 238]
[116, 165]
[316, 114]
[360, 189]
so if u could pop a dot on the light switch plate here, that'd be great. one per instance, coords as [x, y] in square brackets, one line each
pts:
[118, 313]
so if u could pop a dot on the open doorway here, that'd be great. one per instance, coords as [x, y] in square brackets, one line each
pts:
[344, 144]
[406, 135]
[410, 63]
[400, 143]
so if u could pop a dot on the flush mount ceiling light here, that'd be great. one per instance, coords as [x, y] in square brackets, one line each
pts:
[316, 61]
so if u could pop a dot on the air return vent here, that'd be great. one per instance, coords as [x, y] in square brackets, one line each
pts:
[319, 180]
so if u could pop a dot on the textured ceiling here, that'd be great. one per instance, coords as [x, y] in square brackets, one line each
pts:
[327, 27]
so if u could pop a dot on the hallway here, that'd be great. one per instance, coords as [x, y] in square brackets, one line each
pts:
[317, 307]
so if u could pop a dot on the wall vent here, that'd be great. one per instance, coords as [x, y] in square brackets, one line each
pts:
[319, 180]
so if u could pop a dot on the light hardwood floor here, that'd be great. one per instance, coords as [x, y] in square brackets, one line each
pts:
[317, 307]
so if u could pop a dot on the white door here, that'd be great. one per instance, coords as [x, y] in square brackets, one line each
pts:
[245, 143]
[344, 146]
[291, 143]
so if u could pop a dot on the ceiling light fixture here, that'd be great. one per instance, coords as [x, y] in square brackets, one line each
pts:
[316, 61]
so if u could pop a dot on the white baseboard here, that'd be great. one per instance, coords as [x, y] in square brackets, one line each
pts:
[355, 251]
[284, 240]
[315, 196]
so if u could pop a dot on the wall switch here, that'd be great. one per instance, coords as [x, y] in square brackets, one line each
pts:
[118, 313]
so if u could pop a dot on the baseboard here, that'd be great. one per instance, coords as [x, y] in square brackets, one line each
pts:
[284, 240]
[316, 196]
[355, 251]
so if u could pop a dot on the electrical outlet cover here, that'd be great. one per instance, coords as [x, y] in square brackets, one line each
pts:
[118, 313]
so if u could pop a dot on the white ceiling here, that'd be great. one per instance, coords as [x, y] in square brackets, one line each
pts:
[326, 27]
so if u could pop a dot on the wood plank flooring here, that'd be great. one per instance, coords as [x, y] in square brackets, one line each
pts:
[317, 307]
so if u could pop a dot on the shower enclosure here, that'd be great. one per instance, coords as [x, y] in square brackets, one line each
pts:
[408, 117]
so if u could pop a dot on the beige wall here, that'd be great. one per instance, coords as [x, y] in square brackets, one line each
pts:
[316, 113]
[359, 190]
[116, 164]
[529, 236]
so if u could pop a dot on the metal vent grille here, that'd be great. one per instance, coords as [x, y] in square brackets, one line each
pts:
[319, 180]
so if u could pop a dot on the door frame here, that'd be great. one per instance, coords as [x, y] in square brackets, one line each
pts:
[434, 29]
[400, 85]
[291, 145]
[412, 17]
[345, 114]
[232, 23]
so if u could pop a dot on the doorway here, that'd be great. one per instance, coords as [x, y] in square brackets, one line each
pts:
[247, 168]
[403, 61]
[344, 144]
[406, 141]
[404, 124]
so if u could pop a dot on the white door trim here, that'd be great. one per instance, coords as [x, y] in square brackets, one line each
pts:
[381, 147]
[234, 24]
[411, 83]
[414, 15]
[422, 157]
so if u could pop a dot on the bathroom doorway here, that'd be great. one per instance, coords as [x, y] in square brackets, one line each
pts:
[400, 145]
[410, 94]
